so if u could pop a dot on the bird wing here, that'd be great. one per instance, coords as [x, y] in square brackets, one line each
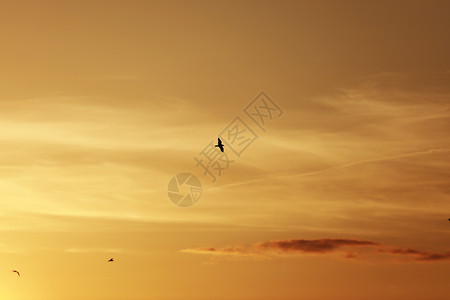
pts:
[219, 141]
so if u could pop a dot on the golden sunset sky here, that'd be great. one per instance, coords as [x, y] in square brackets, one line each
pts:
[345, 196]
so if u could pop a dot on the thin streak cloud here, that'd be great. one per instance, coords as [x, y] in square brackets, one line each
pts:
[346, 248]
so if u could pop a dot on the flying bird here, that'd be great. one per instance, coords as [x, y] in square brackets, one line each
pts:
[15, 271]
[219, 144]
[111, 260]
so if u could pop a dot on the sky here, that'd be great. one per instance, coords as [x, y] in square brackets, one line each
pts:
[342, 194]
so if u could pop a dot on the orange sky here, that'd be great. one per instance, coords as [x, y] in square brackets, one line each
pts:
[345, 196]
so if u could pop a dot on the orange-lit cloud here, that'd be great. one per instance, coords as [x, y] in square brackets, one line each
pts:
[313, 246]
[347, 248]
[419, 255]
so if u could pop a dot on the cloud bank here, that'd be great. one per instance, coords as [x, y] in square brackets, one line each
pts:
[346, 248]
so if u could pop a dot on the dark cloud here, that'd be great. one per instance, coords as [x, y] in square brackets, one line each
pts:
[421, 255]
[314, 246]
[292, 246]
[347, 248]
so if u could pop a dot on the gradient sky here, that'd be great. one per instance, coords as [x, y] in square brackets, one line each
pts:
[345, 196]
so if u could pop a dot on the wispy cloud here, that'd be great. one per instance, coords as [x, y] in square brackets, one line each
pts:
[419, 255]
[314, 246]
[287, 247]
[345, 248]
[381, 147]
[93, 250]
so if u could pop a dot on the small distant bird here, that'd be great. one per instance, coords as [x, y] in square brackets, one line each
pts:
[219, 144]
[15, 271]
[111, 260]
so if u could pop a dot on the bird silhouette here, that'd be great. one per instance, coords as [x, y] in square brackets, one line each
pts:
[15, 271]
[219, 144]
[111, 260]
